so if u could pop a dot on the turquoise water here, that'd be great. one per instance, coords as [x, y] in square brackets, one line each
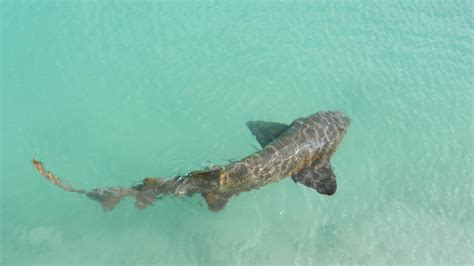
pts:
[106, 93]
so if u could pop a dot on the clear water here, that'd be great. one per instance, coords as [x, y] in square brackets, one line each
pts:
[108, 93]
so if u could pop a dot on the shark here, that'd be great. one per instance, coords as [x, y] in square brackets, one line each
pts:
[301, 150]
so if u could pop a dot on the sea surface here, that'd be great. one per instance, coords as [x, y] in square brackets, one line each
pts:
[106, 93]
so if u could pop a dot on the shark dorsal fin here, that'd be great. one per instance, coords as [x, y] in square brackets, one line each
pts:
[318, 176]
[266, 132]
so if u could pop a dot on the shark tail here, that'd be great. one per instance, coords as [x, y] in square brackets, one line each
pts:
[145, 193]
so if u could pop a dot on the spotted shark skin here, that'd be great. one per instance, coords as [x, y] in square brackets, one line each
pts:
[301, 150]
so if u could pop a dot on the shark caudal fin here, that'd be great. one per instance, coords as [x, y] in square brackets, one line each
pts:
[108, 198]
[266, 132]
[318, 176]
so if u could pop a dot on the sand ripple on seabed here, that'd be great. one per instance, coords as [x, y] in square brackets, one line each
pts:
[402, 234]
[46, 236]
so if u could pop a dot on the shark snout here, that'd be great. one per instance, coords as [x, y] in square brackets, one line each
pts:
[343, 121]
[346, 120]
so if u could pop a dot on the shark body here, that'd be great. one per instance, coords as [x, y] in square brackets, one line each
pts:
[301, 150]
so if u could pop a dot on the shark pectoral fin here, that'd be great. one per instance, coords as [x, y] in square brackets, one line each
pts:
[215, 201]
[318, 176]
[266, 132]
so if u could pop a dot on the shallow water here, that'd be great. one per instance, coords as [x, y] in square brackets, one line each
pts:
[108, 93]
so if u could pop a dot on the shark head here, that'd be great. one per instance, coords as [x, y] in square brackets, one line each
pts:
[333, 126]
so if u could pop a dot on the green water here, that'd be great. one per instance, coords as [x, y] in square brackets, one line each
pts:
[106, 93]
